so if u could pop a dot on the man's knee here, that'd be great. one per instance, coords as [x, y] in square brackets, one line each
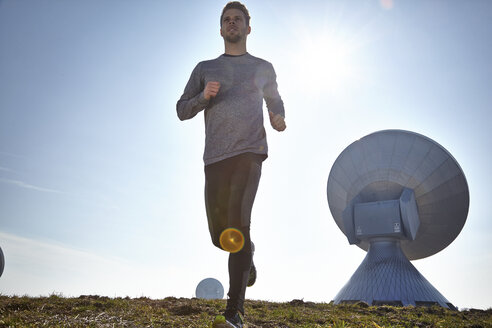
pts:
[245, 238]
[216, 242]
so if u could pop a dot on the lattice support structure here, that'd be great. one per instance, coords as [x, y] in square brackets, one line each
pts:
[386, 276]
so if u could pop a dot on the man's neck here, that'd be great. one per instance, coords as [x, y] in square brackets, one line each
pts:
[235, 49]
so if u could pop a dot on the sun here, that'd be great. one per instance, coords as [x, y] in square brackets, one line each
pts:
[325, 63]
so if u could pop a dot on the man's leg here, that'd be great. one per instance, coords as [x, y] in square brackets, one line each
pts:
[230, 189]
[217, 192]
[244, 184]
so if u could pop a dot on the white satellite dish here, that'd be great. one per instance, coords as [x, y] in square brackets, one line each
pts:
[2, 262]
[400, 196]
[209, 289]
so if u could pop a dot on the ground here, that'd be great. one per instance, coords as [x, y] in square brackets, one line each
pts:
[97, 311]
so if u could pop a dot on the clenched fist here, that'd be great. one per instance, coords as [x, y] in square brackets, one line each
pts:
[211, 90]
[277, 121]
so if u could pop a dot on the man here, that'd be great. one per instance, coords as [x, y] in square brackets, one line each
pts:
[230, 89]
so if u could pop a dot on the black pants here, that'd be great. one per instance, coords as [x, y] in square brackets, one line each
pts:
[230, 190]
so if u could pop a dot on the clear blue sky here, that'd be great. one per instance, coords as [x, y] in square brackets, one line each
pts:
[101, 186]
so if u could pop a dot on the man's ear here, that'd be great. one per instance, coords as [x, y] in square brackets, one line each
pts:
[249, 29]
[221, 33]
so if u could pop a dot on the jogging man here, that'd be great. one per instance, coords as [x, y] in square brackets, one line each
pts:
[230, 90]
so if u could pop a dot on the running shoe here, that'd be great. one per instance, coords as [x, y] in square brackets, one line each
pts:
[222, 321]
[252, 270]
[252, 275]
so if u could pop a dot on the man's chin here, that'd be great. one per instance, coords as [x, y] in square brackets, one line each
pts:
[233, 38]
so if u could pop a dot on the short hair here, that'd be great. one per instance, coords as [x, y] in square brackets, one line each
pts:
[236, 5]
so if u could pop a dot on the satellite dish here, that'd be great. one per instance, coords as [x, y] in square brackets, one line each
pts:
[209, 289]
[2, 262]
[381, 165]
[401, 195]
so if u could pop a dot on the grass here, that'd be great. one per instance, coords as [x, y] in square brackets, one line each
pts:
[97, 311]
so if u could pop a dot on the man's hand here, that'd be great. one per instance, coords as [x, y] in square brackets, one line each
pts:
[211, 90]
[277, 121]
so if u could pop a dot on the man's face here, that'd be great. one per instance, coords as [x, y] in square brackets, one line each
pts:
[234, 28]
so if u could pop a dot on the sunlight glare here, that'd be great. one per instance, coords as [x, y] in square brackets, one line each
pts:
[325, 64]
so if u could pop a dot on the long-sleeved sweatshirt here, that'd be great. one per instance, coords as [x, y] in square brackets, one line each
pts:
[234, 118]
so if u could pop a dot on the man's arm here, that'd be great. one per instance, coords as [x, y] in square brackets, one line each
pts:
[195, 97]
[274, 102]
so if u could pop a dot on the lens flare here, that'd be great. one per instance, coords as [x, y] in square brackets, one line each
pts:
[387, 4]
[231, 240]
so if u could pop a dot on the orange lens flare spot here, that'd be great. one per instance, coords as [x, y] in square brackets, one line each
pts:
[231, 240]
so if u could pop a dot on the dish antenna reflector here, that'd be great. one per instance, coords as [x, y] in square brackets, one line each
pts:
[400, 196]
[2, 261]
[209, 289]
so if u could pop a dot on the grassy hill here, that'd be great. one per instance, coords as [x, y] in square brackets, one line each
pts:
[96, 311]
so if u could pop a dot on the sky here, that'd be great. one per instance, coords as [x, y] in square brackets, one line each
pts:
[101, 185]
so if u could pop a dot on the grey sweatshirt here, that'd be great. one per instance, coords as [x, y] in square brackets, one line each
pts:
[234, 118]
